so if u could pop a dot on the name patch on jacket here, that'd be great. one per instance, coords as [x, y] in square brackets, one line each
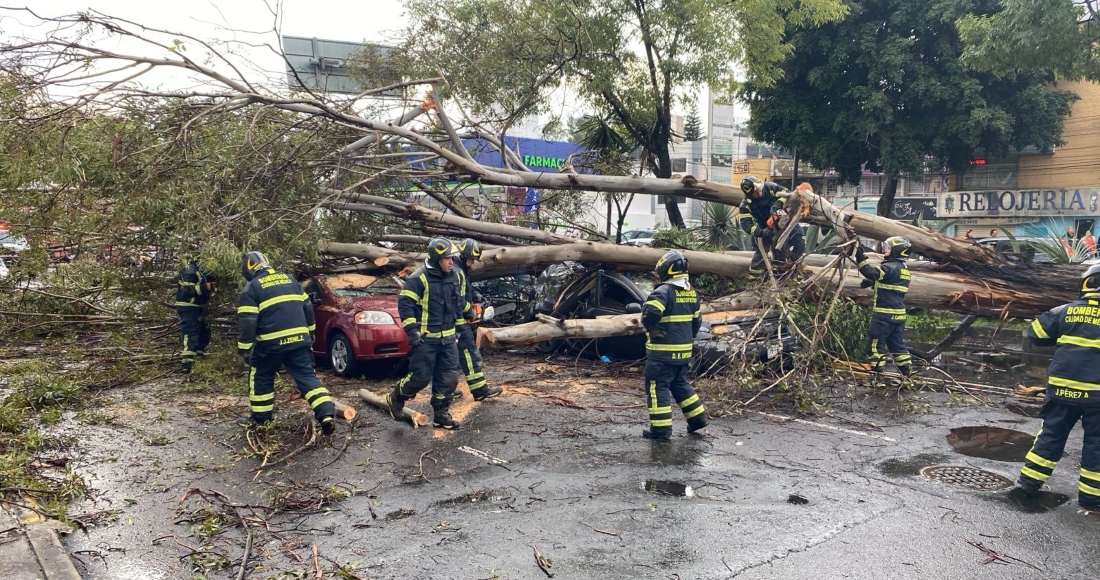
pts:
[274, 280]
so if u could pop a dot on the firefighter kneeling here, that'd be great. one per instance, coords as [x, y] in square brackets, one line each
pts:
[429, 305]
[671, 319]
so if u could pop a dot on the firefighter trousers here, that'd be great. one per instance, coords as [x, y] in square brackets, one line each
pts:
[195, 333]
[469, 358]
[756, 266]
[434, 361]
[665, 383]
[1050, 443]
[299, 363]
[888, 337]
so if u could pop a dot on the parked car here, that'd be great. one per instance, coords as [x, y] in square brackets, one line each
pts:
[638, 237]
[512, 297]
[357, 321]
[1019, 248]
[568, 291]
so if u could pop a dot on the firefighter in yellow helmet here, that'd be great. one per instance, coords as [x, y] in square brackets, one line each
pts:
[759, 204]
[430, 305]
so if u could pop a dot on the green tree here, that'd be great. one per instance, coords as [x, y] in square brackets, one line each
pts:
[631, 60]
[693, 125]
[885, 90]
[1058, 35]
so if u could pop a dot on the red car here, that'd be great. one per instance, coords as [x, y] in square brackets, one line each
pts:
[357, 321]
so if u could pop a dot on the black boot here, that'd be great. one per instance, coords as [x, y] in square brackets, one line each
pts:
[657, 433]
[328, 425]
[698, 423]
[185, 367]
[396, 404]
[443, 420]
[486, 392]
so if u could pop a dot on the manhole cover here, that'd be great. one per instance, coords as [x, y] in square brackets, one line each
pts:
[968, 477]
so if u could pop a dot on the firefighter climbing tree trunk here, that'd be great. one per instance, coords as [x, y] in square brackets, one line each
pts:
[885, 206]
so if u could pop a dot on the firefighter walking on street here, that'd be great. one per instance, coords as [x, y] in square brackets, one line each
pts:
[469, 357]
[276, 330]
[891, 283]
[430, 305]
[671, 319]
[193, 291]
[1073, 392]
[759, 204]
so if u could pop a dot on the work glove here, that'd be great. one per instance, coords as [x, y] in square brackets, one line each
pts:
[246, 357]
[860, 255]
[867, 283]
[413, 336]
[765, 233]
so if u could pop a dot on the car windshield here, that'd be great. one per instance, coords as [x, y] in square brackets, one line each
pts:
[358, 285]
[645, 281]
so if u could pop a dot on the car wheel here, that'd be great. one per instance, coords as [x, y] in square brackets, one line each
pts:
[342, 357]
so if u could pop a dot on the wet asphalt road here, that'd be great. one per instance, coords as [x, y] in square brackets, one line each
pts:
[531, 470]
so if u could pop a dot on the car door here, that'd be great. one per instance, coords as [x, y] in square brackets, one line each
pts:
[611, 296]
[323, 311]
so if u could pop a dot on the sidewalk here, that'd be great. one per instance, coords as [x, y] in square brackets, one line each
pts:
[31, 550]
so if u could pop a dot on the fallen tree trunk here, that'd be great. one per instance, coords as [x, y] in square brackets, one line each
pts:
[417, 419]
[959, 291]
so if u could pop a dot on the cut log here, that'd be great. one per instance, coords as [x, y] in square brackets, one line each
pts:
[1031, 292]
[417, 419]
[552, 328]
[346, 411]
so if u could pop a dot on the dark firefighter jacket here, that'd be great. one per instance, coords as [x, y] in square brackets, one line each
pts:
[274, 314]
[891, 280]
[431, 302]
[465, 289]
[1075, 328]
[671, 319]
[191, 289]
[754, 213]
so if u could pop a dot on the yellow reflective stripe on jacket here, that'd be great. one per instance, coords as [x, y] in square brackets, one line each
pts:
[424, 302]
[440, 334]
[191, 304]
[1079, 341]
[888, 310]
[678, 318]
[895, 288]
[1038, 329]
[660, 306]
[248, 310]
[407, 321]
[668, 347]
[283, 333]
[281, 299]
[1072, 384]
[409, 294]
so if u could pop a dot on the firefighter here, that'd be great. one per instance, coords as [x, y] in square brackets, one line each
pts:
[891, 282]
[1073, 392]
[430, 305]
[759, 204]
[277, 324]
[671, 319]
[469, 357]
[193, 290]
[795, 245]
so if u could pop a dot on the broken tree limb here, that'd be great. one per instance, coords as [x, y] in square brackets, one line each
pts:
[346, 411]
[957, 291]
[958, 331]
[417, 419]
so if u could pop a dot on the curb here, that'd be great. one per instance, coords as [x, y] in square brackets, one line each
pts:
[33, 551]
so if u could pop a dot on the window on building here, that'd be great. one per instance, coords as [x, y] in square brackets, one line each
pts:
[679, 165]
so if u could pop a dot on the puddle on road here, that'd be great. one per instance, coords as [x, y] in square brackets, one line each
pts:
[1042, 502]
[987, 442]
[668, 488]
[909, 466]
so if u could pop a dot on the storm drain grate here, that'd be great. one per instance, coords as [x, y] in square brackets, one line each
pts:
[968, 477]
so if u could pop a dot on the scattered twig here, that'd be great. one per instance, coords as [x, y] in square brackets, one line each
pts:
[543, 563]
[995, 556]
[594, 529]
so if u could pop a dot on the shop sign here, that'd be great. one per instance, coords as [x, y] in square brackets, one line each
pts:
[1018, 202]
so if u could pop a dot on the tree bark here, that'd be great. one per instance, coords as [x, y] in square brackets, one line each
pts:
[960, 291]
[885, 207]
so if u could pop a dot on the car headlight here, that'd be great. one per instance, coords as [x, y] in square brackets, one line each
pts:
[373, 317]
